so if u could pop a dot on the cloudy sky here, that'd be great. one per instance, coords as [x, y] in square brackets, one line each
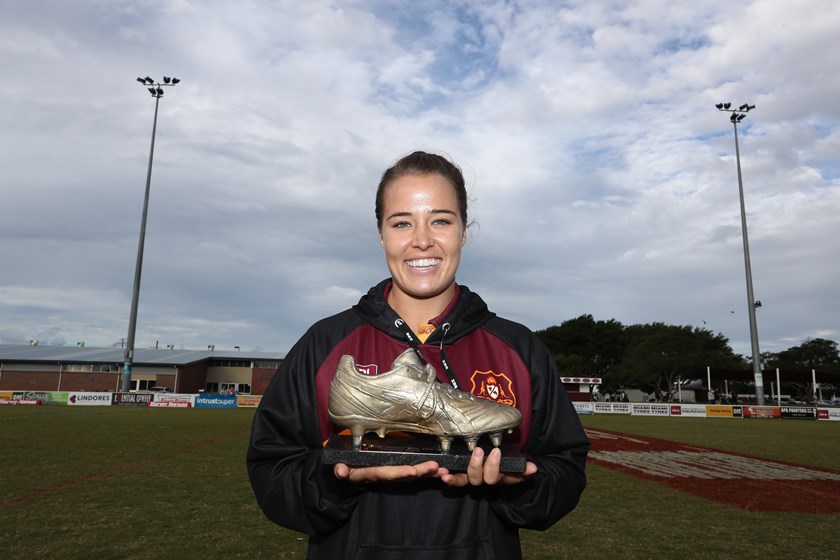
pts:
[603, 179]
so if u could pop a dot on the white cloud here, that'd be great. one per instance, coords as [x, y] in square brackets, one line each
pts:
[603, 178]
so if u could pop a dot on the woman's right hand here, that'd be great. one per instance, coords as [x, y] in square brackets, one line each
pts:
[402, 473]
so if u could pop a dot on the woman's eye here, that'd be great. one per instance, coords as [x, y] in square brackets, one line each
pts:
[400, 225]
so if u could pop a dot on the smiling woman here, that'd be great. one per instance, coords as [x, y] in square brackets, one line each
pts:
[422, 236]
[421, 323]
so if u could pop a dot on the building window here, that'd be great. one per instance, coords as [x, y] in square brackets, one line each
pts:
[233, 363]
[267, 365]
[142, 384]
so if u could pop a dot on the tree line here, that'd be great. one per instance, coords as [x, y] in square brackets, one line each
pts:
[654, 356]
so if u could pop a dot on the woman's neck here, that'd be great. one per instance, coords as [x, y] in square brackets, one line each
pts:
[416, 311]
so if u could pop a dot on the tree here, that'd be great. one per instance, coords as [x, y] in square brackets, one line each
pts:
[813, 354]
[586, 347]
[658, 355]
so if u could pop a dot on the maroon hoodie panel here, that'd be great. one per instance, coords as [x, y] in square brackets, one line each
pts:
[483, 364]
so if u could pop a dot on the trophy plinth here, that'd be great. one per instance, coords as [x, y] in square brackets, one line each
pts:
[396, 451]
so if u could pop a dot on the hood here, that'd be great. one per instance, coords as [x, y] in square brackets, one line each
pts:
[469, 313]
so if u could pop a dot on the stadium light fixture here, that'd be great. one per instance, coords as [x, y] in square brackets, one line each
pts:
[128, 364]
[752, 304]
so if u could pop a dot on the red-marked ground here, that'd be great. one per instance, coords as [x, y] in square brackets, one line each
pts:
[743, 481]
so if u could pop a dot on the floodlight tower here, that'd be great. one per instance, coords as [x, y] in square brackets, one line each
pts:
[737, 116]
[156, 89]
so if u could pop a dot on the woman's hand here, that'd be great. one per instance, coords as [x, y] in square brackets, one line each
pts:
[480, 471]
[402, 473]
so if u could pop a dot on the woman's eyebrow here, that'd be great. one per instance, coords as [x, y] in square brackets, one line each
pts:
[403, 214]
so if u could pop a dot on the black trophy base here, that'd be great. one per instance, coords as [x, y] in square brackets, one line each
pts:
[396, 451]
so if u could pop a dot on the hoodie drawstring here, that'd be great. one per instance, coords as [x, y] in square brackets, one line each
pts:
[415, 345]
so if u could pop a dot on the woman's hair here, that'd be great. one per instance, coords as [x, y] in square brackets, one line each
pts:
[422, 163]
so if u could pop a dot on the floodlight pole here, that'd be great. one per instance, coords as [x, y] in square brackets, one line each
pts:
[156, 89]
[737, 116]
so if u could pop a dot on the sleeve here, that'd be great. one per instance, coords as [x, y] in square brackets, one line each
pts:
[556, 443]
[293, 488]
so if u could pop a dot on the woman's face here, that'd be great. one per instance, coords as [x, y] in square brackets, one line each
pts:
[422, 235]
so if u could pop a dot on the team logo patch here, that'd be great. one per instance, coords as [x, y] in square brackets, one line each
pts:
[493, 386]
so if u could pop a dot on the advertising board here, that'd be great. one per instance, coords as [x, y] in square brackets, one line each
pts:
[215, 401]
[47, 397]
[762, 412]
[89, 399]
[719, 410]
[132, 399]
[612, 408]
[248, 401]
[689, 410]
[19, 402]
[828, 414]
[798, 412]
[174, 400]
[650, 409]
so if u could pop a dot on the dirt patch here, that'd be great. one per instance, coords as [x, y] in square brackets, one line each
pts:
[743, 481]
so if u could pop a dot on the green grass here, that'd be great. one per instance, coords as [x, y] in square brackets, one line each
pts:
[111, 482]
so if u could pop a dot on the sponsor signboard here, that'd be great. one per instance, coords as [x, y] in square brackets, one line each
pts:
[621, 408]
[248, 401]
[584, 407]
[798, 412]
[650, 409]
[215, 401]
[132, 399]
[689, 410]
[612, 408]
[173, 399]
[762, 412]
[46, 397]
[18, 402]
[6, 395]
[170, 404]
[719, 410]
[89, 399]
[828, 414]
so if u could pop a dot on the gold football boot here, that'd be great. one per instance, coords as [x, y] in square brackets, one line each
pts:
[409, 398]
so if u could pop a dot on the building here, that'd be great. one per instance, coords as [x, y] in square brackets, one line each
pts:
[81, 368]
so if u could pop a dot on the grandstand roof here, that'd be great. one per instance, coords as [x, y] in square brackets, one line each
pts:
[115, 355]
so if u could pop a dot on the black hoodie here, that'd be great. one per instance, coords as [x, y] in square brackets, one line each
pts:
[424, 519]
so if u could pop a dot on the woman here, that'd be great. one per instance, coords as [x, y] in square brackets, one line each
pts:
[418, 511]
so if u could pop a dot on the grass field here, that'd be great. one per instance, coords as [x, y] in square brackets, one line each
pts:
[135, 483]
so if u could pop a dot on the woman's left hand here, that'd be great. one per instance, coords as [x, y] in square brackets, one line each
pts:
[480, 471]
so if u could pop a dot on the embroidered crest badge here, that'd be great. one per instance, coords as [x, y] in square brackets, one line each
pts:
[493, 386]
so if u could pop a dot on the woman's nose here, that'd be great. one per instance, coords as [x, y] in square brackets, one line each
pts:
[423, 238]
